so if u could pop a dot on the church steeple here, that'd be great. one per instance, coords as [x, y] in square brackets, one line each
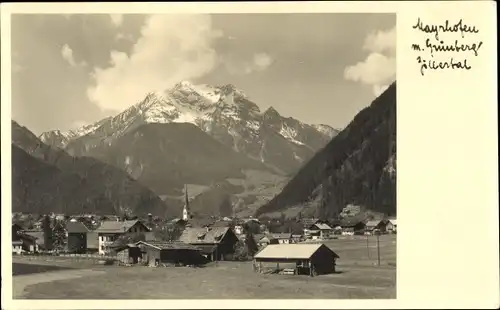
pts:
[185, 211]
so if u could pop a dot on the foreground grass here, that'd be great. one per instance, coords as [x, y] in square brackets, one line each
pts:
[358, 278]
[227, 280]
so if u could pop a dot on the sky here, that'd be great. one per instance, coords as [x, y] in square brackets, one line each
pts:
[69, 70]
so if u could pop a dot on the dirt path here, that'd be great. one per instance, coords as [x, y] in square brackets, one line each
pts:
[19, 283]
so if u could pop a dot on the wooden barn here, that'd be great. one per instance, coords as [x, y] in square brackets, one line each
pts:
[77, 237]
[217, 243]
[128, 253]
[176, 253]
[310, 259]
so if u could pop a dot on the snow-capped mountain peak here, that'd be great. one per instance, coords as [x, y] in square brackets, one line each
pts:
[224, 112]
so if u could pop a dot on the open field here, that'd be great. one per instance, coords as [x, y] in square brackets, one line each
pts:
[22, 269]
[357, 277]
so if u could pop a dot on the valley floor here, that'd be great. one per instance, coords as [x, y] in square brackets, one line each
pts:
[358, 277]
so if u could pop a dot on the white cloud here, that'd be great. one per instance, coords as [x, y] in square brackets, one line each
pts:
[376, 69]
[116, 19]
[381, 41]
[67, 54]
[171, 48]
[262, 61]
[259, 62]
[379, 68]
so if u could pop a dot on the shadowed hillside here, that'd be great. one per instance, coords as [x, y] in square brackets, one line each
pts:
[47, 179]
[357, 167]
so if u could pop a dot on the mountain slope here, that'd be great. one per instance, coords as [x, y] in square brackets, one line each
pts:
[166, 156]
[224, 112]
[82, 184]
[356, 167]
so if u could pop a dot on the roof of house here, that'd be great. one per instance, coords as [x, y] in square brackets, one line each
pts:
[309, 221]
[203, 235]
[76, 227]
[393, 221]
[222, 224]
[322, 226]
[17, 242]
[350, 223]
[200, 223]
[373, 223]
[116, 227]
[281, 236]
[291, 251]
[258, 237]
[37, 234]
[164, 245]
[206, 248]
[23, 235]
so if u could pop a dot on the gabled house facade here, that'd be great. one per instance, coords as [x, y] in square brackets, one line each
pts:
[216, 243]
[77, 237]
[318, 231]
[110, 231]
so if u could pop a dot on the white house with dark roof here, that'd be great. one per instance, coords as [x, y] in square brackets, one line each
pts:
[318, 230]
[392, 225]
[109, 231]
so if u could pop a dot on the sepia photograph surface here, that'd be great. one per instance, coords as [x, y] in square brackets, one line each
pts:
[203, 156]
[243, 155]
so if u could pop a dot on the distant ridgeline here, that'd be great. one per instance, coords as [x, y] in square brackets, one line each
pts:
[358, 166]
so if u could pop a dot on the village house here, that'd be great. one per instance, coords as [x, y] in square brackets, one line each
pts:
[22, 242]
[39, 236]
[318, 231]
[352, 227]
[266, 240]
[309, 259]
[77, 237]
[257, 238]
[374, 226]
[296, 238]
[176, 253]
[109, 231]
[391, 226]
[216, 243]
[283, 238]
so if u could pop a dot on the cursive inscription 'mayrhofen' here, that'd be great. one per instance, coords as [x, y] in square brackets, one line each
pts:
[446, 27]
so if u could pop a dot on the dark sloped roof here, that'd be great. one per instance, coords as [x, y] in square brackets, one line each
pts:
[116, 227]
[202, 235]
[282, 236]
[292, 251]
[165, 245]
[206, 248]
[76, 227]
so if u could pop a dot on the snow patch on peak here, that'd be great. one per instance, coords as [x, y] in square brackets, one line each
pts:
[290, 134]
[326, 130]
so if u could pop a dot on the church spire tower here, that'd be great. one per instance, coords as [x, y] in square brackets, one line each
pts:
[185, 211]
